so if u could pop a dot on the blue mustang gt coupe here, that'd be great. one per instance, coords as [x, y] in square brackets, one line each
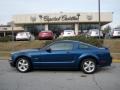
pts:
[62, 54]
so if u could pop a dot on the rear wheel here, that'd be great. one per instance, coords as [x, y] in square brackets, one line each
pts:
[88, 66]
[23, 65]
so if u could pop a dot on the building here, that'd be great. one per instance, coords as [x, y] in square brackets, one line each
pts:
[6, 30]
[57, 22]
[60, 21]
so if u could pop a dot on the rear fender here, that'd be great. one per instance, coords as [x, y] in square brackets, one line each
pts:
[84, 56]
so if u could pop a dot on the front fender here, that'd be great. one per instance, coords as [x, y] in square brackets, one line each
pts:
[16, 55]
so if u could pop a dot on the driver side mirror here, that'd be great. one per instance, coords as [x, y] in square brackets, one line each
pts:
[48, 50]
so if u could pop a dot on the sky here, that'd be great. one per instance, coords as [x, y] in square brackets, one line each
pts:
[8, 8]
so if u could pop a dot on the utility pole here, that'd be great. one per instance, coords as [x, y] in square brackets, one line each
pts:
[12, 27]
[99, 17]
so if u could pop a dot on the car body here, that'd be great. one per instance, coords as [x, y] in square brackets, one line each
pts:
[62, 54]
[67, 33]
[94, 33]
[45, 35]
[24, 36]
[115, 33]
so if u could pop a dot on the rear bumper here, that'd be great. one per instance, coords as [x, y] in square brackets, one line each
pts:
[103, 63]
[109, 62]
[45, 37]
[68, 35]
[11, 63]
[115, 36]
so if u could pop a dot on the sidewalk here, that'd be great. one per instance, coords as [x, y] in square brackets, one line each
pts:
[4, 58]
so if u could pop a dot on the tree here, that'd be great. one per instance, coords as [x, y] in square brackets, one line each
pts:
[107, 29]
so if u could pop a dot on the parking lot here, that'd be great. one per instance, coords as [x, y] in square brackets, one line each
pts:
[107, 78]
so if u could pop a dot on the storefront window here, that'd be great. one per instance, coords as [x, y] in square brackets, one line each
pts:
[34, 29]
[58, 28]
[85, 27]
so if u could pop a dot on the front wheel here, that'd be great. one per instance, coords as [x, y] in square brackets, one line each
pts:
[88, 66]
[23, 65]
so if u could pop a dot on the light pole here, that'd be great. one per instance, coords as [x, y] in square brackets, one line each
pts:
[99, 17]
[78, 14]
[33, 19]
[48, 23]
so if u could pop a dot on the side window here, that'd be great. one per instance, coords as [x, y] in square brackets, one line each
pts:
[83, 46]
[61, 46]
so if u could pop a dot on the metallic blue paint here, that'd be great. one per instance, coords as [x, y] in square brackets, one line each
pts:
[40, 58]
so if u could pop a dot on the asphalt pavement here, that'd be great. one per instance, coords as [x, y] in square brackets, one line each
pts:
[107, 78]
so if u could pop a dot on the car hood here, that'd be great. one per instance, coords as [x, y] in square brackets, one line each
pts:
[27, 51]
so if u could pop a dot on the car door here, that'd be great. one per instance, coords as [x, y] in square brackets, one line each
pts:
[58, 55]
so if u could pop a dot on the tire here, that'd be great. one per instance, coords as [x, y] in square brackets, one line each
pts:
[23, 65]
[88, 66]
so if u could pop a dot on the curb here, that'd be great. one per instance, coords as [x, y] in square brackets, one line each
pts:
[116, 61]
[6, 58]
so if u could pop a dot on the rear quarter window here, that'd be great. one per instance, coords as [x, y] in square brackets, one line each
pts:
[84, 46]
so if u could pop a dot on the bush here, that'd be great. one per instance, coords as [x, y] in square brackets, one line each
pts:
[5, 39]
[89, 40]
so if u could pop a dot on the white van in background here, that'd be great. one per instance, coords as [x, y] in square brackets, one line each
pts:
[68, 33]
[24, 36]
[115, 33]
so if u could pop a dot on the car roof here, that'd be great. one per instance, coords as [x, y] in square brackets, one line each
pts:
[69, 41]
[74, 41]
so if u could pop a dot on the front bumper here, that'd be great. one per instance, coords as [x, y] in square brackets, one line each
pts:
[11, 63]
[116, 36]
[17, 39]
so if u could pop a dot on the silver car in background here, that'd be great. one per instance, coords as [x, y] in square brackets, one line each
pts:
[115, 33]
[94, 33]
